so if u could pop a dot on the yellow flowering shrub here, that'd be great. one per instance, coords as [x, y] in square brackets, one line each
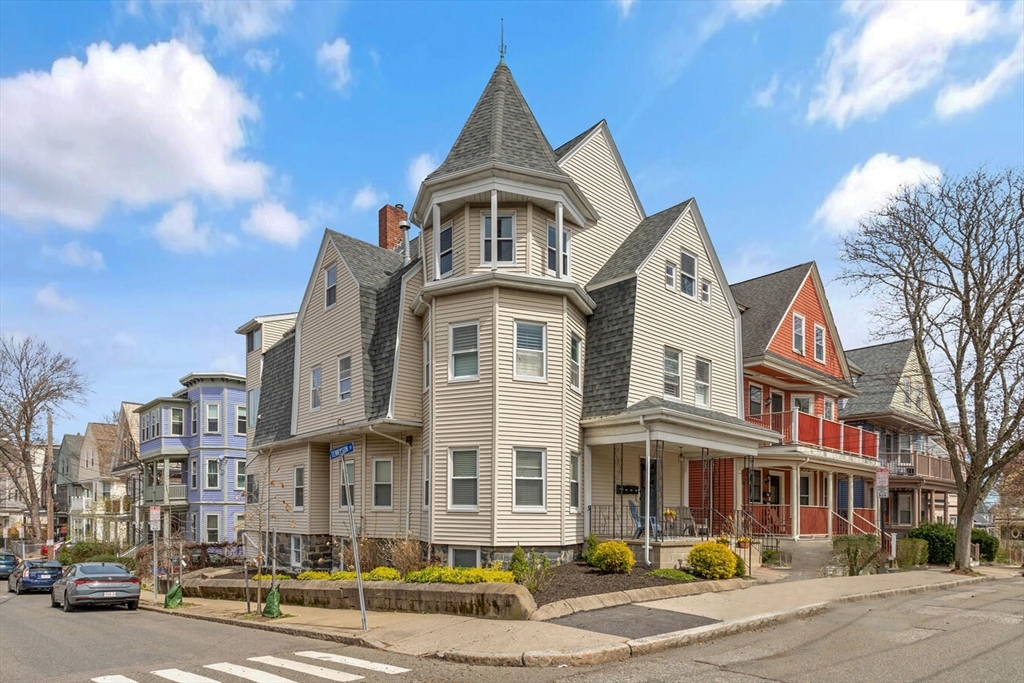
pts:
[712, 561]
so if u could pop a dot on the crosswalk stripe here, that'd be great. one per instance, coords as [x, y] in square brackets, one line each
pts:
[311, 669]
[248, 674]
[116, 678]
[179, 676]
[352, 661]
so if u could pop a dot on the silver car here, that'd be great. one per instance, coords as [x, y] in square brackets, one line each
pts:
[96, 583]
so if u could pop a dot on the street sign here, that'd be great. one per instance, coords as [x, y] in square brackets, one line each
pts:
[343, 449]
[154, 514]
[882, 482]
[154, 526]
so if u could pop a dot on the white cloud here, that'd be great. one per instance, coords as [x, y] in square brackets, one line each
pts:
[367, 198]
[133, 8]
[420, 168]
[866, 188]
[77, 255]
[625, 6]
[260, 60]
[50, 298]
[765, 98]
[274, 223]
[749, 9]
[890, 51]
[243, 20]
[962, 98]
[177, 231]
[332, 58]
[130, 127]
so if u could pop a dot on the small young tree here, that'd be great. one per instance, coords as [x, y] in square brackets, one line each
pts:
[945, 261]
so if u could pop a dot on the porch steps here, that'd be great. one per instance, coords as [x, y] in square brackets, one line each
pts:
[808, 557]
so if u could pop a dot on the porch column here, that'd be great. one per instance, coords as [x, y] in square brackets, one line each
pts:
[915, 514]
[931, 506]
[829, 491]
[794, 501]
[494, 229]
[685, 464]
[167, 479]
[849, 499]
[588, 498]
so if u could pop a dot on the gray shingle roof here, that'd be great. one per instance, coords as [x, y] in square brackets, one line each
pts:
[767, 299]
[501, 129]
[274, 421]
[659, 402]
[370, 265]
[609, 349]
[639, 244]
[382, 349]
[567, 147]
[883, 366]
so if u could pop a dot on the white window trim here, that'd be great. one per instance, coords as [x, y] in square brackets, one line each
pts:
[238, 462]
[675, 276]
[451, 469]
[563, 250]
[824, 353]
[450, 225]
[574, 509]
[196, 532]
[319, 388]
[296, 487]
[803, 334]
[239, 528]
[206, 425]
[292, 561]
[206, 527]
[374, 482]
[427, 493]
[451, 554]
[206, 475]
[696, 382]
[340, 398]
[237, 409]
[499, 264]
[427, 364]
[825, 404]
[577, 364]
[182, 411]
[193, 474]
[451, 352]
[679, 374]
[543, 480]
[761, 410]
[794, 397]
[515, 349]
[706, 302]
[683, 274]
[327, 271]
[252, 414]
[195, 419]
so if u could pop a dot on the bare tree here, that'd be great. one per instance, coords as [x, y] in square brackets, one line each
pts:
[33, 379]
[944, 261]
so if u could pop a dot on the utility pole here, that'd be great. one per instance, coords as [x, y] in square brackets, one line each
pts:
[48, 473]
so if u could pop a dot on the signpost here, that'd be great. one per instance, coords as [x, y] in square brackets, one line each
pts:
[882, 491]
[154, 526]
[340, 452]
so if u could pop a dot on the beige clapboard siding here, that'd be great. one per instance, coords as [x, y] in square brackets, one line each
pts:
[604, 478]
[668, 318]
[594, 169]
[253, 361]
[409, 367]
[274, 330]
[277, 495]
[380, 521]
[912, 372]
[464, 416]
[530, 415]
[573, 438]
[426, 438]
[539, 228]
[339, 514]
[318, 483]
[326, 335]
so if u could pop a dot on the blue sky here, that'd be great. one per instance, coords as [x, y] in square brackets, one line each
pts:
[167, 169]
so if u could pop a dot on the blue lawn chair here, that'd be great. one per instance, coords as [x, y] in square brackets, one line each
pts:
[639, 524]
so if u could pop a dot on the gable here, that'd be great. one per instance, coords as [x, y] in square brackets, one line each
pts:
[810, 303]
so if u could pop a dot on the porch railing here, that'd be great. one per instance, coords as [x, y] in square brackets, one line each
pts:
[813, 430]
[863, 522]
[774, 519]
[176, 493]
[913, 464]
[615, 522]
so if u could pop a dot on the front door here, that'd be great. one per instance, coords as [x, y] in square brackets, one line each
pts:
[776, 402]
[654, 487]
[774, 492]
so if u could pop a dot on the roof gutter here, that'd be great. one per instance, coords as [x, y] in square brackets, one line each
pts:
[326, 433]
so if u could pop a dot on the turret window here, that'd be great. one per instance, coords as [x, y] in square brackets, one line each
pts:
[445, 251]
[505, 239]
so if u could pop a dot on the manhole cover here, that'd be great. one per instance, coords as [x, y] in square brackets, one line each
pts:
[633, 621]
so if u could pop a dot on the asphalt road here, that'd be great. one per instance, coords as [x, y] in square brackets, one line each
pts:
[974, 634]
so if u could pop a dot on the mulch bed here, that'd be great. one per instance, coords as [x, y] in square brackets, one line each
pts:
[576, 579]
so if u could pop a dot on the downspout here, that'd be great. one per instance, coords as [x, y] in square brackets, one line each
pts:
[408, 465]
[647, 491]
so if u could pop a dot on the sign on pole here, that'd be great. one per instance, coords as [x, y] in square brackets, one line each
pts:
[154, 514]
[882, 482]
[343, 449]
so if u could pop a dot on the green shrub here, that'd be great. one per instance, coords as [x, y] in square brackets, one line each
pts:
[769, 556]
[268, 577]
[517, 564]
[911, 552]
[674, 574]
[741, 566]
[311, 575]
[128, 562]
[941, 541]
[989, 544]
[460, 575]
[590, 548]
[711, 560]
[531, 571]
[856, 550]
[614, 557]
[83, 550]
[383, 574]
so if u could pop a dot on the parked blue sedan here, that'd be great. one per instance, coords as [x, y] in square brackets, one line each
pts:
[34, 575]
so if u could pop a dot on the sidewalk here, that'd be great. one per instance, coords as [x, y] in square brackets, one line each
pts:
[539, 643]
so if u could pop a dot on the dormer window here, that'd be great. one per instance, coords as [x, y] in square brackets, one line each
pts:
[798, 333]
[445, 252]
[505, 239]
[331, 292]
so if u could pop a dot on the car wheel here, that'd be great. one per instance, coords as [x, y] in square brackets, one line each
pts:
[133, 605]
[68, 607]
[17, 588]
[53, 600]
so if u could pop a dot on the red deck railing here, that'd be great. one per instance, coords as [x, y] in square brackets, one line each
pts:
[813, 520]
[913, 464]
[811, 430]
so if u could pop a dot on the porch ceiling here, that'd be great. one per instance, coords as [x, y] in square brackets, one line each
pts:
[790, 455]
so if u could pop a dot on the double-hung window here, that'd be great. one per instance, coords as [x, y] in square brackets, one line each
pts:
[331, 287]
[702, 383]
[529, 479]
[254, 340]
[755, 396]
[798, 333]
[531, 351]
[382, 471]
[213, 528]
[344, 378]
[347, 485]
[819, 343]
[314, 388]
[464, 351]
[241, 418]
[463, 468]
[212, 418]
[672, 379]
[574, 482]
[426, 479]
[145, 427]
[296, 548]
[195, 420]
[445, 250]
[212, 474]
[754, 486]
[253, 406]
[177, 421]
[240, 475]
[805, 490]
[670, 276]
[830, 409]
[506, 239]
[705, 292]
[688, 274]
[553, 252]
[299, 489]
[574, 362]
[154, 423]
[193, 470]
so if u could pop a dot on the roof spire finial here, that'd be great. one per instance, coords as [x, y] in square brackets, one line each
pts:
[502, 48]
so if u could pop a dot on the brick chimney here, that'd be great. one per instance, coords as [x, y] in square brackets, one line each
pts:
[389, 235]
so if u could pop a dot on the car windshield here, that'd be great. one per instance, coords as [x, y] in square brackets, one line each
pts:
[41, 563]
[97, 569]
[7, 557]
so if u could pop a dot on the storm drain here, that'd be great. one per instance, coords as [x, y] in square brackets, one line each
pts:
[633, 621]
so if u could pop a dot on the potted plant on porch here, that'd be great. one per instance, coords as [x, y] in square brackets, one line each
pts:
[742, 542]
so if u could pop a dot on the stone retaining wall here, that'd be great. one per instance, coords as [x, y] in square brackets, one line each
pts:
[487, 600]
